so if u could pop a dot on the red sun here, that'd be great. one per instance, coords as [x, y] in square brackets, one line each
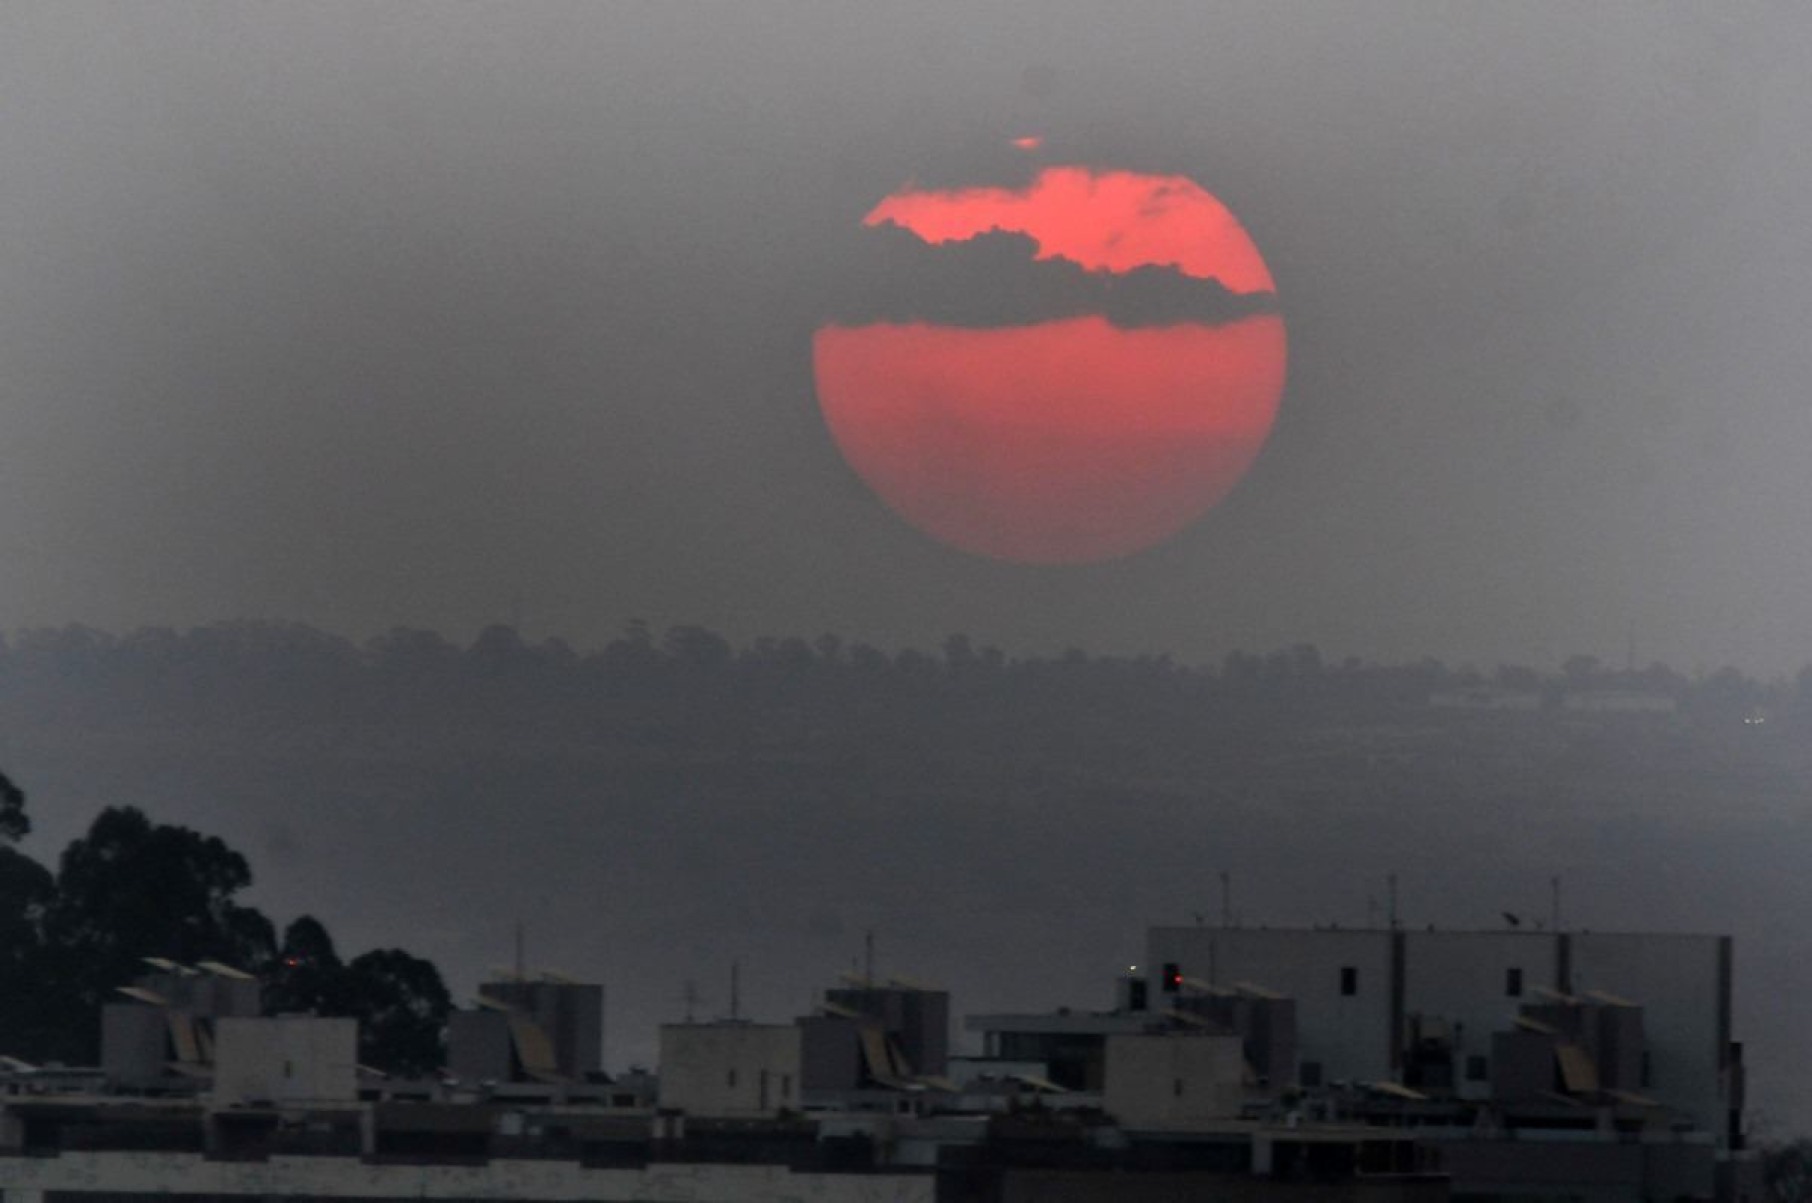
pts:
[1128, 394]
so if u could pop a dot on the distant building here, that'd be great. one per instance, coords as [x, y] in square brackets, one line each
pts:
[729, 1070]
[1173, 1081]
[1486, 697]
[1618, 701]
[1071, 1045]
[548, 1030]
[159, 1035]
[1250, 1065]
[915, 1017]
[1395, 1006]
[285, 1060]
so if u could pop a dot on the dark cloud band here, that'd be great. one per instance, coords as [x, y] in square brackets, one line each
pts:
[995, 280]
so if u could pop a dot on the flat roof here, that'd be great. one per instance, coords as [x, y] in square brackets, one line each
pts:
[1409, 929]
[1076, 1022]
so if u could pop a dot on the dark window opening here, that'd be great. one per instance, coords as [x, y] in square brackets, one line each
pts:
[1477, 1068]
[1176, 1087]
[1513, 982]
[1349, 980]
[1173, 977]
[731, 1078]
[1648, 1069]
[1310, 1073]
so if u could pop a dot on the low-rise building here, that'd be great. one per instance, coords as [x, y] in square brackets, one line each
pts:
[1173, 1081]
[730, 1070]
[285, 1060]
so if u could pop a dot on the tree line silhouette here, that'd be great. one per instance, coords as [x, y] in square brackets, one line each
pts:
[687, 676]
[131, 889]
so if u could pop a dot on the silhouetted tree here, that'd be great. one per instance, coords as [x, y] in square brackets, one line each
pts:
[1581, 670]
[308, 974]
[697, 647]
[401, 1005]
[26, 892]
[131, 889]
[14, 824]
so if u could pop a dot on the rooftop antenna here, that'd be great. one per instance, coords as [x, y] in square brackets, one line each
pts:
[691, 1000]
[1226, 899]
[735, 991]
[868, 959]
[1392, 882]
[521, 971]
[1554, 902]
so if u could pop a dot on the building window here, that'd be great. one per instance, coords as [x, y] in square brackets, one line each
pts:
[1176, 1087]
[731, 1080]
[1477, 1068]
[1648, 1070]
[1349, 980]
[1310, 1073]
[1513, 982]
[786, 1086]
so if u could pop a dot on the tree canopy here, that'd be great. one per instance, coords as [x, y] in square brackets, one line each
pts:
[131, 888]
[13, 822]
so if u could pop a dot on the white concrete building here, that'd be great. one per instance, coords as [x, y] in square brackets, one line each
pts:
[1476, 981]
[730, 1070]
[285, 1059]
[1173, 1081]
[1357, 992]
[1342, 981]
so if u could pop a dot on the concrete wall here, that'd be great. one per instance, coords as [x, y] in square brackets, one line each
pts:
[1460, 976]
[135, 1040]
[1579, 1171]
[179, 1178]
[730, 1070]
[1349, 1036]
[1071, 1186]
[1522, 1065]
[830, 1052]
[1267, 1025]
[1679, 982]
[285, 1059]
[478, 1046]
[1175, 1081]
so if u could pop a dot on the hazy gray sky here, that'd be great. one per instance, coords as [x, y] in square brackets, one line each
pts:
[441, 314]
